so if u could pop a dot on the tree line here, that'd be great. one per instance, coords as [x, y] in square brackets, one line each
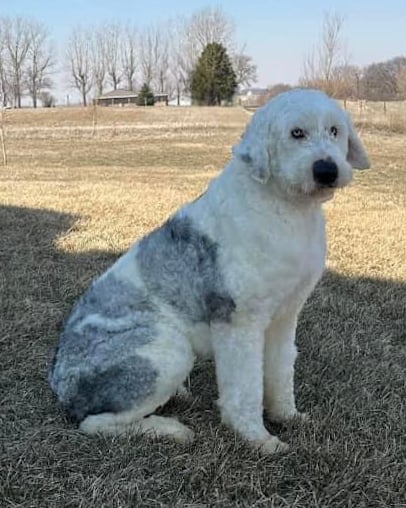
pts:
[26, 59]
[175, 57]
[112, 55]
[329, 68]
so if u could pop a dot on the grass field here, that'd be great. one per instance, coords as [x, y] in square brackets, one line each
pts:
[73, 197]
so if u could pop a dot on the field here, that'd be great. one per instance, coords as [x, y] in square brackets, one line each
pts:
[75, 194]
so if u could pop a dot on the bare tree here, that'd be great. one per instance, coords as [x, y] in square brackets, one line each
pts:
[244, 68]
[113, 33]
[16, 45]
[206, 26]
[39, 60]
[182, 57]
[4, 85]
[346, 79]
[161, 59]
[310, 74]
[211, 25]
[129, 54]
[79, 58]
[381, 80]
[189, 36]
[149, 42]
[3, 134]
[154, 57]
[331, 52]
[319, 68]
[401, 83]
[99, 59]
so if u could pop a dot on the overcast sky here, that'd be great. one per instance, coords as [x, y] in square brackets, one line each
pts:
[277, 33]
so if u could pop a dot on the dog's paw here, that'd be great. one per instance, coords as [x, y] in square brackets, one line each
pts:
[302, 417]
[283, 417]
[170, 428]
[271, 446]
[183, 435]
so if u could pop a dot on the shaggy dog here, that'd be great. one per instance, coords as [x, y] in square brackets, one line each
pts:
[225, 276]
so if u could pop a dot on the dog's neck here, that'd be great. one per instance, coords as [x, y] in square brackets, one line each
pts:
[236, 181]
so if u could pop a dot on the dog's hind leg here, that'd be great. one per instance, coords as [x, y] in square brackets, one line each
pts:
[172, 360]
[114, 424]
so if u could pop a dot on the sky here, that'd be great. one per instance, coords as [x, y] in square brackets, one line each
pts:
[277, 34]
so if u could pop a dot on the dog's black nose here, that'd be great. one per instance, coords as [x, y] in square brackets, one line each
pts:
[325, 172]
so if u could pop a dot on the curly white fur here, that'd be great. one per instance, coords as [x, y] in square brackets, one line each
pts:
[264, 214]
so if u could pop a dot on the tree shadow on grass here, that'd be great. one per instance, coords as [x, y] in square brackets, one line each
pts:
[350, 377]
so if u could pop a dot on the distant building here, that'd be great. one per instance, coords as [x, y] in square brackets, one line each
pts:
[252, 97]
[122, 97]
[161, 99]
[183, 100]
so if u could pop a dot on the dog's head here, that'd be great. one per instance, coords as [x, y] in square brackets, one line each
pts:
[304, 143]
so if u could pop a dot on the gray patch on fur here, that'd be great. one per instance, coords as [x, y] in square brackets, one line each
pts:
[96, 367]
[179, 265]
[112, 389]
[246, 157]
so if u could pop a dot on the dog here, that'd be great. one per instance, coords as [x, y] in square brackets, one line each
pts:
[225, 277]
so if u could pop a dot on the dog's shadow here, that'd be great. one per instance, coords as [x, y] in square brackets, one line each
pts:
[348, 329]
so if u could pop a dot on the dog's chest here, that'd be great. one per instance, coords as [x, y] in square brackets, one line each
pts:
[292, 261]
[271, 267]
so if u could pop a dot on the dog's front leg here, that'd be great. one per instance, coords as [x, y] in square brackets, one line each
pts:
[280, 355]
[238, 350]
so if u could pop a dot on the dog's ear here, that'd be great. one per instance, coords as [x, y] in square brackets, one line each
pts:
[356, 155]
[253, 148]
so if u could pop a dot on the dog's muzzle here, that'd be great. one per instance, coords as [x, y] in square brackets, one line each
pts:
[325, 173]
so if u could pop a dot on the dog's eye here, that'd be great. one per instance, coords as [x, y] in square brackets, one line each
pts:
[297, 133]
[334, 131]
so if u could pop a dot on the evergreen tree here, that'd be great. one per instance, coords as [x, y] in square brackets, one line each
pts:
[213, 80]
[145, 97]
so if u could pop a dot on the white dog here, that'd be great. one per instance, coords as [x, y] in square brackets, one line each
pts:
[226, 276]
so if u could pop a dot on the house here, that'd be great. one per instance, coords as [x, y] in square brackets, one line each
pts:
[161, 99]
[182, 100]
[252, 97]
[121, 97]
[117, 98]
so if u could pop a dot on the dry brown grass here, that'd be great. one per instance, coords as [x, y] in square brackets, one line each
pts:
[388, 117]
[70, 202]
